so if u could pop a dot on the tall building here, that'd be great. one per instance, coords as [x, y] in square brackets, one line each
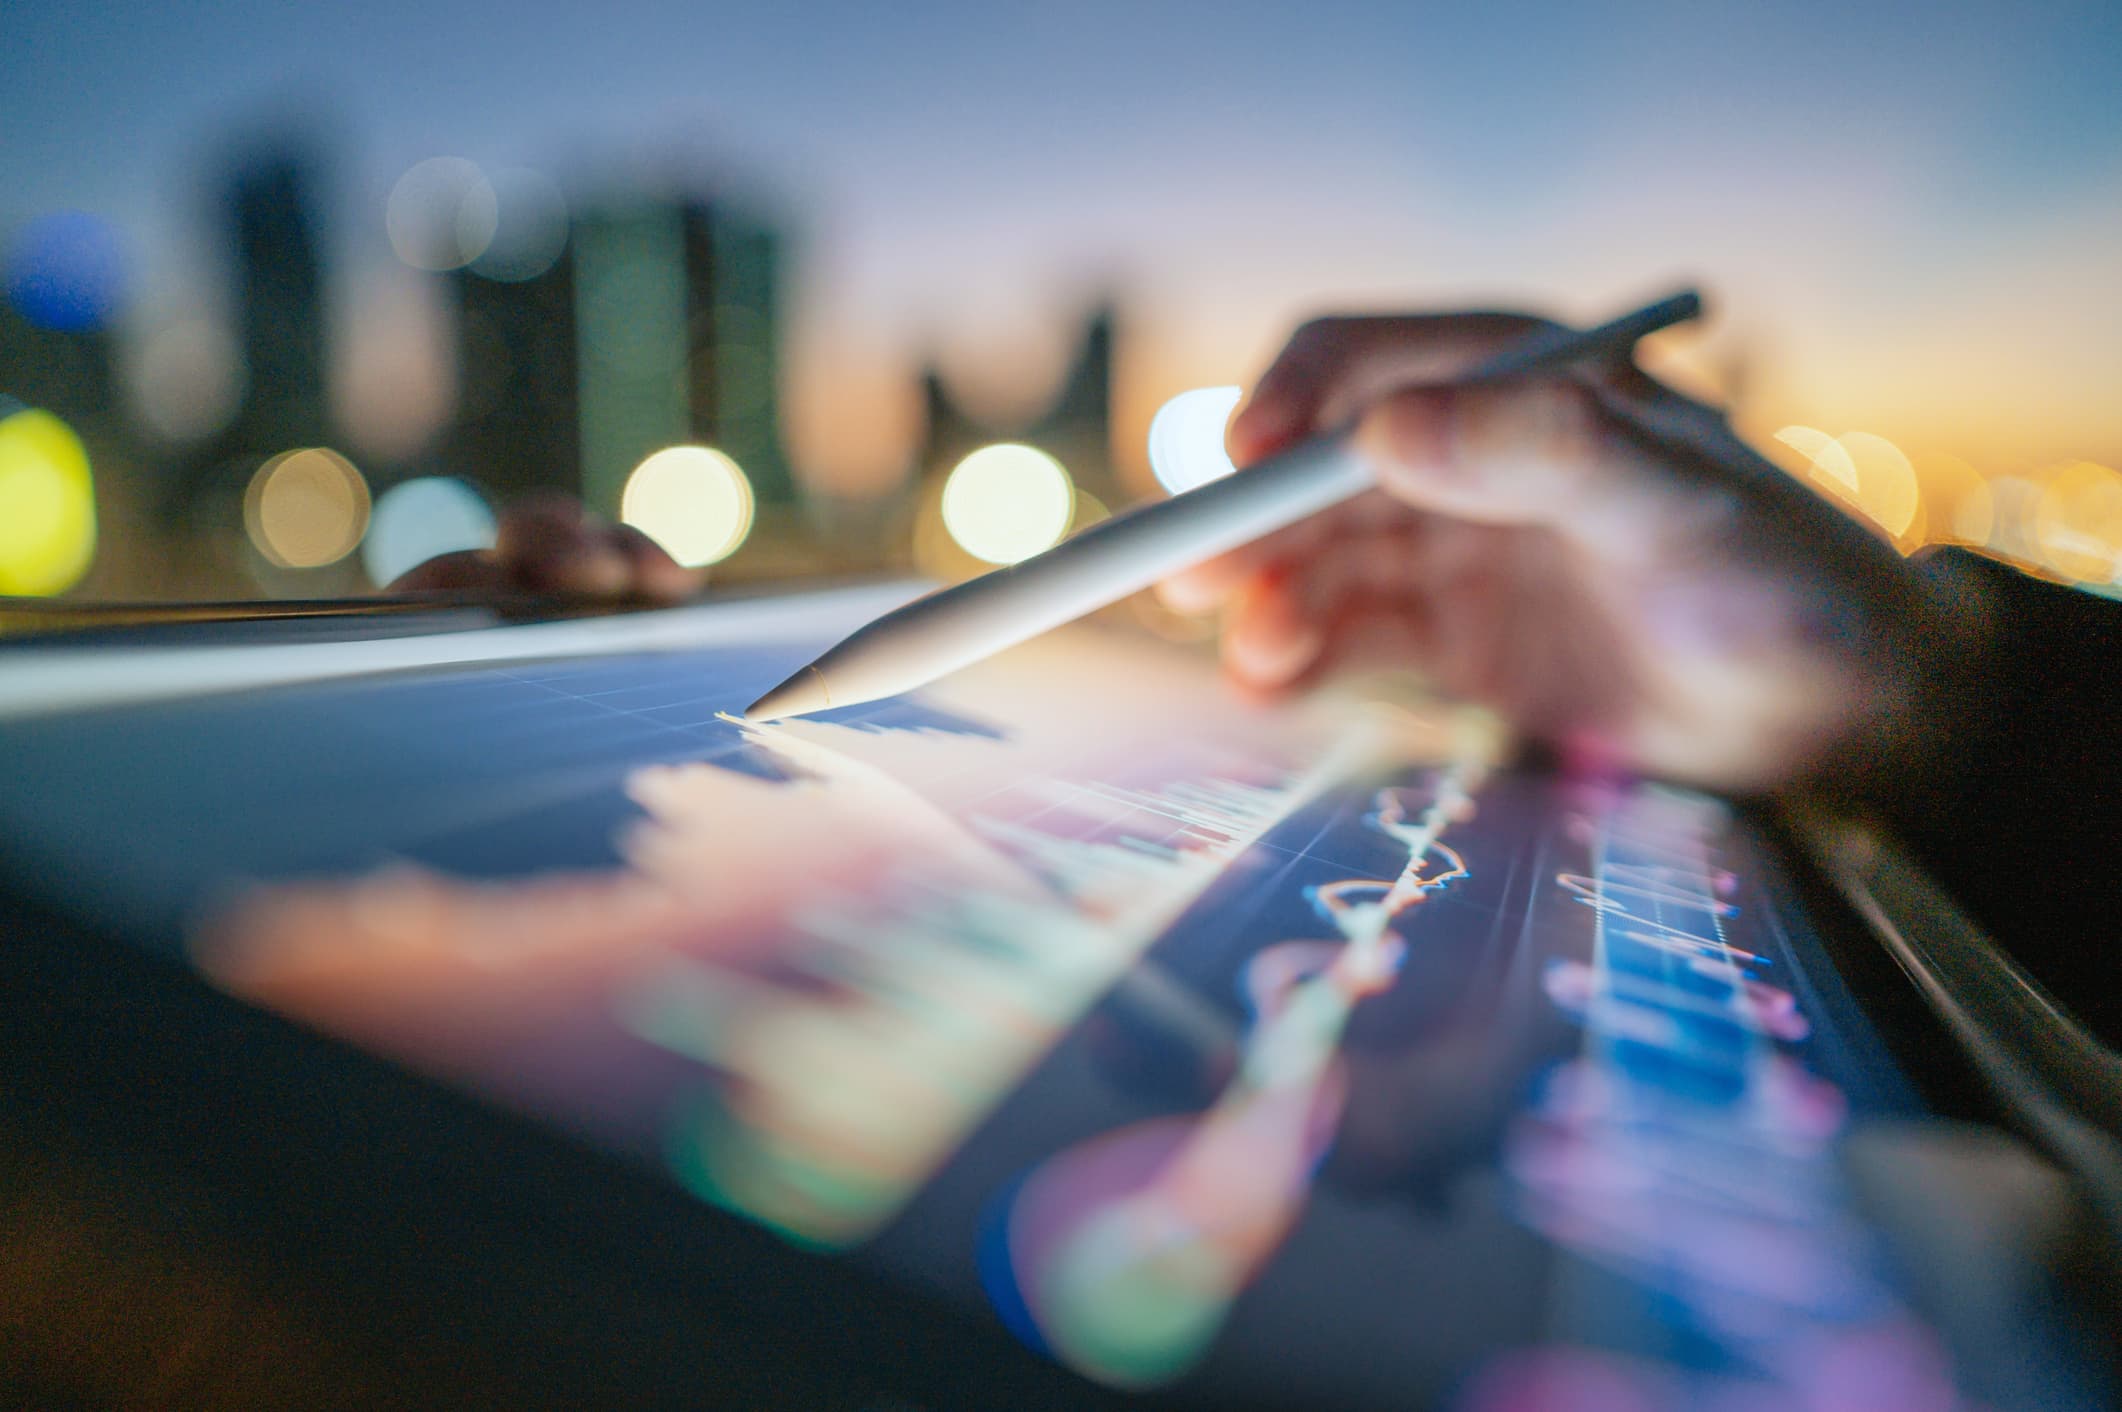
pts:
[658, 325]
[516, 427]
[277, 279]
[733, 331]
[279, 289]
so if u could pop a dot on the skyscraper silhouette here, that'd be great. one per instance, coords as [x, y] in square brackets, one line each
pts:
[516, 426]
[277, 280]
[279, 289]
[659, 324]
[733, 304]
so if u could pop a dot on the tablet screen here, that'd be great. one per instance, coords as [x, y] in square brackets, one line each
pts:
[1300, 1052]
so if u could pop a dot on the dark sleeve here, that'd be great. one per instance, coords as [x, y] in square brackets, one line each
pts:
[2021, 816]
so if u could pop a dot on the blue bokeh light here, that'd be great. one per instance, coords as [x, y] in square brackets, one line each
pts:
[65, 272]
[418, 519]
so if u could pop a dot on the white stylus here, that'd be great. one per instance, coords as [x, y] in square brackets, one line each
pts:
[957, 626]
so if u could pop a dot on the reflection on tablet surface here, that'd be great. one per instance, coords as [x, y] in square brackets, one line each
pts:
[1296, 1055]
[827, 954]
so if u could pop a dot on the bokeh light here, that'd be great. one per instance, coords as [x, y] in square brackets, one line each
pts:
[1886, 482]
[2011, 532]
[1007, 502]
[1089, 510]
[47, 505]
[1825, 458]
[442, 214]
[692, 500]
[1957, 505]
[416, 520]
[186, 378]
[305, 509]
[1868, 472]
[65, 272]
[2077, 523]
[530, 227]
[1186, 438]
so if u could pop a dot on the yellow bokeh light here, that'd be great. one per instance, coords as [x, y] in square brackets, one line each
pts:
[305, 509]
[2077, 522]
[1958, 507]
[47, 505]
[2011, 528]
[1869, 472]
[1006, 503]
[1825, 458]
[1089, 511]
[1886, 482]
[692, 500]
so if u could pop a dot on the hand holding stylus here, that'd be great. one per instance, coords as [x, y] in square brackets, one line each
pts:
[955, 627]
[1591, 553]
[1608, 565]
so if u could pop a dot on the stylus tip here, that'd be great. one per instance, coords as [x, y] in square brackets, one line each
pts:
[800, 695]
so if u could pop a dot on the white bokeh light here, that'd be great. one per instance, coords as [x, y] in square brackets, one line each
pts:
[186, 377]
[442, 214]
[1008, 502]
[1186, 438]
[530, 228]
[416, 520]
[693, 500]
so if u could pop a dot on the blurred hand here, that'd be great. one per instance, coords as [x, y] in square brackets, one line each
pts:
[550, 544]
[1593, 554]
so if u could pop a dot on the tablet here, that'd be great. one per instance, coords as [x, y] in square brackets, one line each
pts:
[1148, 1042]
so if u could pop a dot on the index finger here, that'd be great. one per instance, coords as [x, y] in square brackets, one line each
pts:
[1332, 366]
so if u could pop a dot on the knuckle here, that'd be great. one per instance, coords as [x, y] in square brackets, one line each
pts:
[1566, 418]
[1522, 453]
[1410, 431]
[1555, 421]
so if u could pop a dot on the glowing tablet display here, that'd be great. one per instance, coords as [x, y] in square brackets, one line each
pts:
[1293, 1053]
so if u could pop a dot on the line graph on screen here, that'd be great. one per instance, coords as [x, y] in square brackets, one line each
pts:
[1123, 1254]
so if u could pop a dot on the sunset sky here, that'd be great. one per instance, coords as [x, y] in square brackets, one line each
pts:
[1909, 215]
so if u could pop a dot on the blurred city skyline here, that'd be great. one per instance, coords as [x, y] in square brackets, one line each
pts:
[1907, 218]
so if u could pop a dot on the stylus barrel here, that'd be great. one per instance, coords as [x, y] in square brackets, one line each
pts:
[958, 626]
